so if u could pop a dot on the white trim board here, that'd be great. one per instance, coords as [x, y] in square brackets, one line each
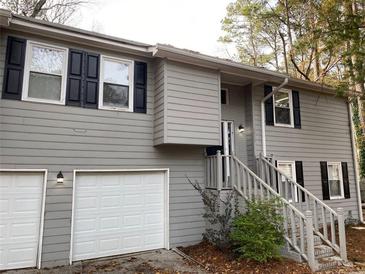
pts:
[41, 225]
[166, 198]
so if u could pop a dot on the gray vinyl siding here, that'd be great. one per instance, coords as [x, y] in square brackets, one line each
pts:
[64, 138]
[235, 111]
[249, 128]
[191, 105]
[159, 125]
[324, 136]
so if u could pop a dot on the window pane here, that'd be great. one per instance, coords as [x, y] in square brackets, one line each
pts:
[116, 73]
[287, 169]
[335, 188]
[115, 96]
[44, 86]
[282, 100]
[333, 172]
[282, 115]
[47, 60]
[223, 96]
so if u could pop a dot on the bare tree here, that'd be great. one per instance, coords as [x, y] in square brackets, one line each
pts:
[57, 11]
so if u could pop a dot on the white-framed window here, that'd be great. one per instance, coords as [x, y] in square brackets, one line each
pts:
[45, 73]
[224, 96]
[335, 180]
[288, 168]
[116, 84]
[283, 108]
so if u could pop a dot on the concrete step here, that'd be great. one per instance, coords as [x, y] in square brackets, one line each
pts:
[329, 262]
[323, 251]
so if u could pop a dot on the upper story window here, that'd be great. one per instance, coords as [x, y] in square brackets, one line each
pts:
[283, 104]
[116, 84]
[45, 73]
[224, 96]
[335, 181]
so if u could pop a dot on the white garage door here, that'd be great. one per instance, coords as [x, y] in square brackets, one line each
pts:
[116, 213]
[20, 217]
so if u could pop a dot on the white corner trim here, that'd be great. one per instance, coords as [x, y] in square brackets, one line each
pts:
[166, 198]
[355, 162]
[41, 225]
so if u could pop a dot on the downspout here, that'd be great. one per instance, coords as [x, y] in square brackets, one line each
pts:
[356, 162]
[263, 125]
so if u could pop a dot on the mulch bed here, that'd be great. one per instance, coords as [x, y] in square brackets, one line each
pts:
[226, 262]
[355, 244]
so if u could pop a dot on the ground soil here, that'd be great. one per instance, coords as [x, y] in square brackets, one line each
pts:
[218, 261]
[355, 244]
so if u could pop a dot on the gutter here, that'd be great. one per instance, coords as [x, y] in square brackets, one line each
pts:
[263, 125]
[67, 33]
[356, 163]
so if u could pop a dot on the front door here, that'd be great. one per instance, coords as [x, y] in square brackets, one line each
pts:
[227, 148]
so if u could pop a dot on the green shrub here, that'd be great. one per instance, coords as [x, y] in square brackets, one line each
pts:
[259, 234]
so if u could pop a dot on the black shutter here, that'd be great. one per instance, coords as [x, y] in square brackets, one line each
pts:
[325, 186]
[74, 81]
[300, 176]
[14, 68]
[296, 109]
[140, 87]
[91, 80]
[345, 178]
[269, 107]
[83, 79]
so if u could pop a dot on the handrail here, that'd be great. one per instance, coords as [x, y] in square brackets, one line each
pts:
[320, 209]
[301, 218]
[249, 171]
[250, 186]
[297, 185]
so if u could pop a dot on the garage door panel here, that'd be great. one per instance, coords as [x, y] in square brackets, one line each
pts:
[117, 213]
[20, 215]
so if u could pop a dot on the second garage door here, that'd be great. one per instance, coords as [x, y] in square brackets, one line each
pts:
[118, 212]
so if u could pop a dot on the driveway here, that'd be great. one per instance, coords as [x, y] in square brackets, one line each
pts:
[158, 261]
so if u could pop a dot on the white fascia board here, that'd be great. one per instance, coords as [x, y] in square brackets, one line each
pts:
[23, 25]
[235, 68]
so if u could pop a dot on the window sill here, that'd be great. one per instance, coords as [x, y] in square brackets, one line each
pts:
[43, 101]
[283, 125]
[337, 198]
[116, 109]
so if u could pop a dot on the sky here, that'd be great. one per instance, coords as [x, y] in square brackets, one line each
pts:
[189, 24]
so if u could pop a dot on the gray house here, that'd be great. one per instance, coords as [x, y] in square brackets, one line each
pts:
[99, 134]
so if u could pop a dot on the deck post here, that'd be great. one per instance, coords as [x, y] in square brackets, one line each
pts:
[219, 171]
[342, 234]
[310, 241]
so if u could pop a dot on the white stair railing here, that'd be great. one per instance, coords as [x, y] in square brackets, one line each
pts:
[217, 175]
[324, 217]
[298, 226]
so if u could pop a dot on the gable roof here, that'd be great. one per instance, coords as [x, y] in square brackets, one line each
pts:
[63, 32]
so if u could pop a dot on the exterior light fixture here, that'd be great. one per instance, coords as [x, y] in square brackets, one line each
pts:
[59, 178]
[241, 128]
